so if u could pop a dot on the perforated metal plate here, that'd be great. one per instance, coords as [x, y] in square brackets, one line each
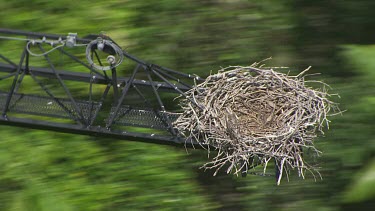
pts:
[46, 106]
[129, 116]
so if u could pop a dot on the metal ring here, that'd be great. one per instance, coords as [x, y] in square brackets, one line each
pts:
[116, 49]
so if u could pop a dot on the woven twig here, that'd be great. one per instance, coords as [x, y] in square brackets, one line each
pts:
[251, 115]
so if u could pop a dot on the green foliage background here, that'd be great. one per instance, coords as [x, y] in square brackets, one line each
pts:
[42, 170]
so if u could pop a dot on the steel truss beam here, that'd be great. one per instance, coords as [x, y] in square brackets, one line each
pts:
[82, 113]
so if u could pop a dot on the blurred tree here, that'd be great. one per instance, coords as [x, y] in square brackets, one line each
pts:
[48, 171]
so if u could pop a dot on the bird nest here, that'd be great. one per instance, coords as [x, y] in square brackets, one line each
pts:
[252, 115]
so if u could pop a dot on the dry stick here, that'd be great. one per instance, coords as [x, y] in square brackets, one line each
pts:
[251, 112]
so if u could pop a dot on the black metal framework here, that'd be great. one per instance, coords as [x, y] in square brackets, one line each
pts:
[97, 112]
[101, 112]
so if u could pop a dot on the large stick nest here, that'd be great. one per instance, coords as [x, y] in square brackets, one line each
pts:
[252, 115]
